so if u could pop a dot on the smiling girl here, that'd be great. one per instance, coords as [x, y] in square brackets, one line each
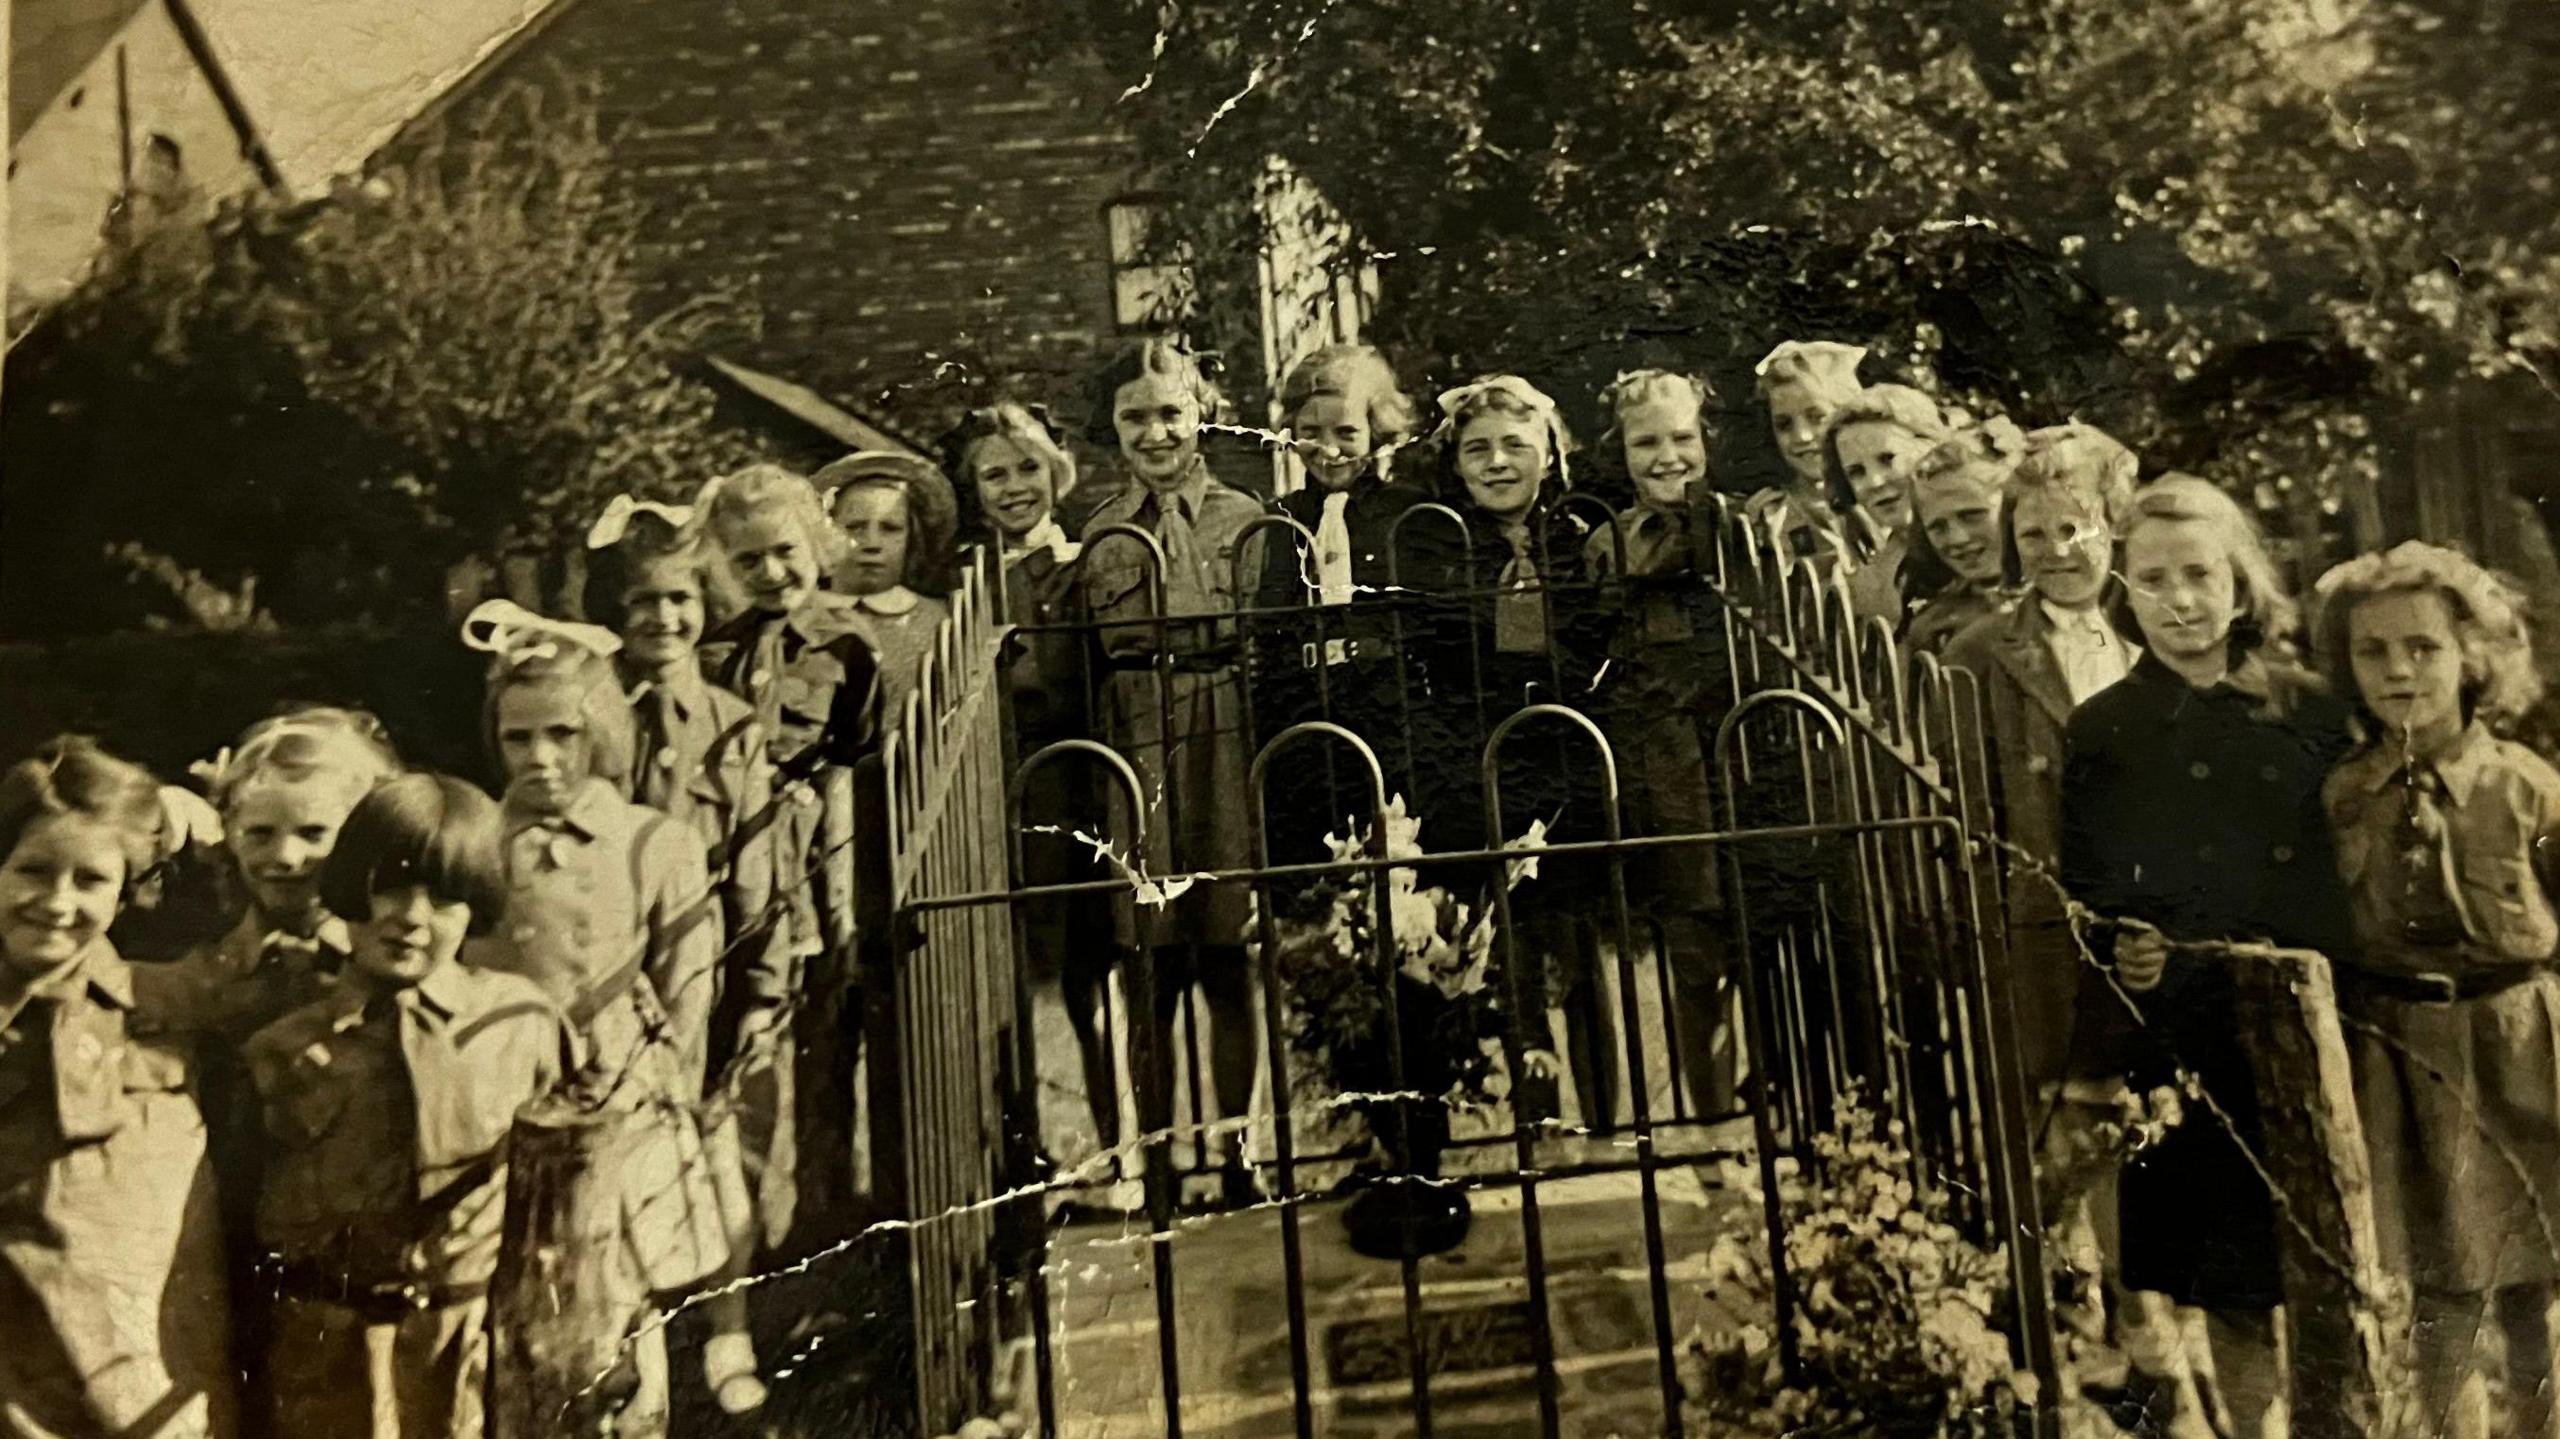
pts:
[1514, 621]
[1869, 448]
[403, 1080]
[2448, 837]
[700, 758]
[1670, 684]
[1014, 468]
[1803, 383]
[796, 653]
[1181, 723]
[115, 1322]
[2191, 812]
[1320, 655]
[1952, 575]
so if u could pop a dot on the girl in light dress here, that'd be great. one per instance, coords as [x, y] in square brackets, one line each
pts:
[2449, 838]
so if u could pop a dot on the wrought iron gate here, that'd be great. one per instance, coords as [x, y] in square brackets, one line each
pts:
[1855, 771]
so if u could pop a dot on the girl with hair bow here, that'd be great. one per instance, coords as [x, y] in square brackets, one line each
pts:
[796, 653]
[610, 909]
[701, 758]
[1507, 616]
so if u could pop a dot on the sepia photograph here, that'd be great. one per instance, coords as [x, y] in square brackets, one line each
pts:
[1280, 719]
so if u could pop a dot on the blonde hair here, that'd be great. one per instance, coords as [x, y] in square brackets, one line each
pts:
[1352, 372]
[310, 745]
[1026, 425]
[2266, 614]
[769, 488]
[1900, 406]
[588, 678]
[2084, 462]
[2499, 682]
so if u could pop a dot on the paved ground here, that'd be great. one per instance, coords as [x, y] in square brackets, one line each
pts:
[1232, 1323]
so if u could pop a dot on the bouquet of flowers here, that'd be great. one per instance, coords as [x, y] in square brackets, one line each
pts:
[1451, 1012]
[1897, 1326]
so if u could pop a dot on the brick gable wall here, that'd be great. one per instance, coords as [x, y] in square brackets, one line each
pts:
[891, 183]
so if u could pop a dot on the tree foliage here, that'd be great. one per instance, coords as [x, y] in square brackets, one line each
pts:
[345, 397]
[2198, 221]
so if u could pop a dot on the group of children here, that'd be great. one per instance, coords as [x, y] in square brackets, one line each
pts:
[270, 1176]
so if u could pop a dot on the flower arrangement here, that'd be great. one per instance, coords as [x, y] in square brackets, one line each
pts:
[1448, 1006]
[1897, 1327]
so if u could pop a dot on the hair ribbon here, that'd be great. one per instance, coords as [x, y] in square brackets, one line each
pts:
[1453, 401]
[514, 633]
[615, 522]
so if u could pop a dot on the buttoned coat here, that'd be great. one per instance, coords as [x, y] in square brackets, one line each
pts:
[2197, 811]
[113, 1311]
[610, 910]
[388, 1112]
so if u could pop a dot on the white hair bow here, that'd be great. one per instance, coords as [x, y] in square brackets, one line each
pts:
[512, 632]
[615, 522]
[1452, 401]
[1822, 361]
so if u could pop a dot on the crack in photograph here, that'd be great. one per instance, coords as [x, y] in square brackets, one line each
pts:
[1280, 719]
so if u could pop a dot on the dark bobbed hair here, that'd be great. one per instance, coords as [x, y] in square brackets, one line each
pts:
[74, 775]
[1167, 356]
[428, 829]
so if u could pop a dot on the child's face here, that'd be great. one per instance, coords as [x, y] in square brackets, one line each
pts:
[2184, 593]
[1159, 426]
[1962, 521]
[58, 891]
[2063, 548]
[1666, 448]
[662, 612]
[545, 743]
[775, 560]
[1333, 438]
[408, 933]
[1875, 459]
[1796, 417]
[2407, 660]
[280, 833]
[874, 521]
[1502, 458]
[1014, 486]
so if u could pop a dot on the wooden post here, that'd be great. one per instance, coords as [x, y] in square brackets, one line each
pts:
[2314, 1150]
[565, 1295]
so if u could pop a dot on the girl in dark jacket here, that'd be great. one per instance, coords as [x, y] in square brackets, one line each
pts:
[1012, 469]
[2191, 813]
[1325, 641]
[1510, 621]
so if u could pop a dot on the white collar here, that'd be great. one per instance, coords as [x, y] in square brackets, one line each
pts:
[1047, 535]
[893, 601]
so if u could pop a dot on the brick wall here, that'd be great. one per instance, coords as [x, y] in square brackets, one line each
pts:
[892, 183]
